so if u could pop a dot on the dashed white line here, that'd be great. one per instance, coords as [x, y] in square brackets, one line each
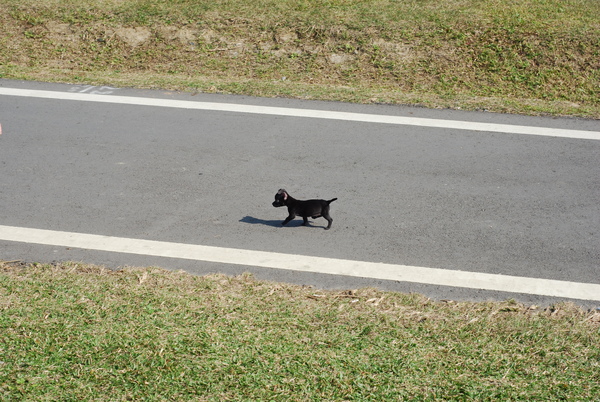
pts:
[403, 273]
[308, 113]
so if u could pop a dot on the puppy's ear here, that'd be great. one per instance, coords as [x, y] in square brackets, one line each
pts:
[282, 191]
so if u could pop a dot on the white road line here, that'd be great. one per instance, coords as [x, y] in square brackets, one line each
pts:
[403, 273]
[315, 114]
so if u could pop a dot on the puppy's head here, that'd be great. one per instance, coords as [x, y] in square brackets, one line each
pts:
[280, 198]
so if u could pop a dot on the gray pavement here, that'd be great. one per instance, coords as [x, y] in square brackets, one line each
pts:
[473, 201]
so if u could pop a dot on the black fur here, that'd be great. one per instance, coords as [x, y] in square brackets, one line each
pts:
[312, 208]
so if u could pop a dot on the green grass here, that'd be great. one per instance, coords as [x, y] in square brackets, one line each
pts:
[78, 332]
[531, 56]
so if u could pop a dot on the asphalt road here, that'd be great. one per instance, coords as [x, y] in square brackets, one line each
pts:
[476, 201]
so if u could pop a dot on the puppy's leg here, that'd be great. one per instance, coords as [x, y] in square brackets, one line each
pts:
[329, 219]
[305, 223]
[289, 218]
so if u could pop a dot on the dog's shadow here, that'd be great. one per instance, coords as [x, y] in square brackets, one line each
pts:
[273, 223]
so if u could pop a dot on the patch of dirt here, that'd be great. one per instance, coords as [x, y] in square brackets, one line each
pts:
[134, 36]
[184, 36]
[339, 58]
[286, 36]
[61, 32]
[399, 50]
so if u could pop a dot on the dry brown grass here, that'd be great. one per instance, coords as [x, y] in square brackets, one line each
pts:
[528, 57]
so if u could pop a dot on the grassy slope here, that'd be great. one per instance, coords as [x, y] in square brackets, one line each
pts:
[519, 56]
[74, 332]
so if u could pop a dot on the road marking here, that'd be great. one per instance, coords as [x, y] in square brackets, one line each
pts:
[93, 89]
[308, 113]
[363, 269]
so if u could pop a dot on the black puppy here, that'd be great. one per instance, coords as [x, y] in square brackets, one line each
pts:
[312, 208]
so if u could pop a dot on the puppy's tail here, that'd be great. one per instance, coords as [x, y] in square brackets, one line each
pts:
[332, 200]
